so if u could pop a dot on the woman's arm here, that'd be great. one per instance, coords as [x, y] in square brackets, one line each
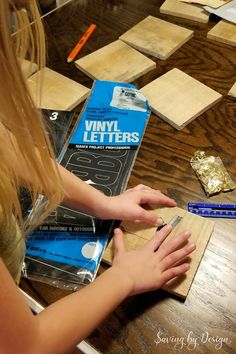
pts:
[126, 206]
[81, 196]
[62, 325]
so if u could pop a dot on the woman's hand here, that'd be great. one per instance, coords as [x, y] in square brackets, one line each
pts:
[128, 205]
[150, 267]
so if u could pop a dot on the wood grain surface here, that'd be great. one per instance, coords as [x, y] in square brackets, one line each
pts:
[28, 68]
[117, 61]
[156, 37]
[167, 93]
[224, 32]
[149, 323]
[58, 91]
[212, 3]
[179, 9]
[232, 91]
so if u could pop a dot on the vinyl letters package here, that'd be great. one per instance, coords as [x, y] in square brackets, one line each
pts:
[67, 249]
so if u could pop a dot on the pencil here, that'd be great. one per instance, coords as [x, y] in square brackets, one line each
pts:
[81, 43]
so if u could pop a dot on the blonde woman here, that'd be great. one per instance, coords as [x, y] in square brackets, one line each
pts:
[26, 159]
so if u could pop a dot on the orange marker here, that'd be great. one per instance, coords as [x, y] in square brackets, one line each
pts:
[81, 43]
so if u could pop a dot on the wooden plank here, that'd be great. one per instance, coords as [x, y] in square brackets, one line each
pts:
[226, 12]
[115, 62]
[188, 11]
[58, 91]
[224, 32]
[137, 234]
[28, 68]
[232, 91]
[156, 37]
[212, 3]
[178, 98]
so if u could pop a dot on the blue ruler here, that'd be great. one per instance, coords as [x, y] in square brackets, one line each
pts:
[212, 210]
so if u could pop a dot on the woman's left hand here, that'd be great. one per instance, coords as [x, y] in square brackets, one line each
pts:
[129, 205]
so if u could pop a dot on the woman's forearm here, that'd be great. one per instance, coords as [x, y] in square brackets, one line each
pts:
[62, 325]
[126, 206]
[74, 317]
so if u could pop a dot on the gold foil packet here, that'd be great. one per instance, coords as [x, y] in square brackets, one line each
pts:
[211, 173]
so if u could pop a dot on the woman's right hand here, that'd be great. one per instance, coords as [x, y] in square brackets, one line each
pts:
[150, 267]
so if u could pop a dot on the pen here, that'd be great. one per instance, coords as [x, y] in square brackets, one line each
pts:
[81, 43]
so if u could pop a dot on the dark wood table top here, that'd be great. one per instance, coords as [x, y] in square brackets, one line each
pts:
[157, 322]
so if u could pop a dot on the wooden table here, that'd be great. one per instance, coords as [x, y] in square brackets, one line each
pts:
[157, 322]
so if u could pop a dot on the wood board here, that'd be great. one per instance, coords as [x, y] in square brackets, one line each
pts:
[28, 68]
[188, 11]
[226, 12]
[232, 91]
[178, 98]
[212, 3]
[157, 37]
[58, 91]
[137, 234]
[115, 62]
[224, 32]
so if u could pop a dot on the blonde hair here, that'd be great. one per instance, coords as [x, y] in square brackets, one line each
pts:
[22, 121]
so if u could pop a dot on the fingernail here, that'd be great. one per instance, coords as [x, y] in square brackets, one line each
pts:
[159, 222]
[168, 227]
[192, 246]
[187, 233]
[187, 266]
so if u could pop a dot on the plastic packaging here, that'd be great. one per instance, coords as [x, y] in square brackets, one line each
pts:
[211, 173]
[67, 249]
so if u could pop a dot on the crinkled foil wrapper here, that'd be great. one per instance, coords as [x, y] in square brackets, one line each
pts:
[211, 173]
